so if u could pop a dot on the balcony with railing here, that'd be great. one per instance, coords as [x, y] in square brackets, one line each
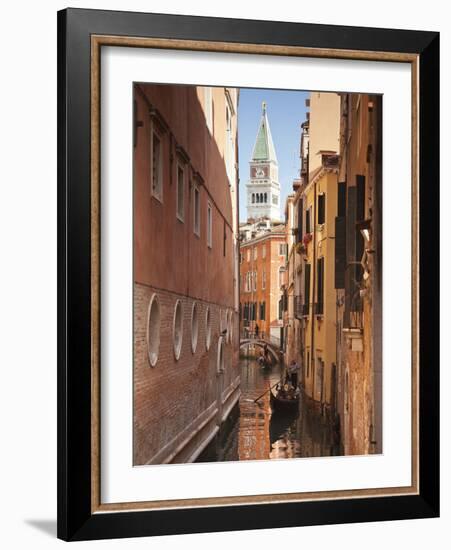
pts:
[301, 310]
[298, 307]
[297, 184]
[329, 159]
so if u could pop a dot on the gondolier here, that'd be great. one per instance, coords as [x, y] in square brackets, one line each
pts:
[292, 373]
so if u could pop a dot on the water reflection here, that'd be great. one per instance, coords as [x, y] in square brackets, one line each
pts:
[258, 433]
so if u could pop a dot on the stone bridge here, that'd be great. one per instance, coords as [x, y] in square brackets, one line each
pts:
[273, 348]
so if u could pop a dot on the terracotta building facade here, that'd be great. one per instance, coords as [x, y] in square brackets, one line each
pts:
[186, 294]
[262, 266]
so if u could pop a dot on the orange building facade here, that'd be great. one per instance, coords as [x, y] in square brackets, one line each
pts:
[262, 266]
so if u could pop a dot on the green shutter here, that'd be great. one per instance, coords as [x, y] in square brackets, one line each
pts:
[320, 287]
[341, 202]
[321, 208]
[340, 251]
[307, 288]
[300, 220]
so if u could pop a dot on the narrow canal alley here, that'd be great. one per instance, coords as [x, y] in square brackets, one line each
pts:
[256, 432]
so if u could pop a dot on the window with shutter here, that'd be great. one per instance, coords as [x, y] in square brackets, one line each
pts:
[300, 221]
[197, 214]
[340, 251]
[209, 226]
[354, 251]
[180, 193]
[320, 286]
[360, 213]
[341, 202]
[321, 208]
[305, 309]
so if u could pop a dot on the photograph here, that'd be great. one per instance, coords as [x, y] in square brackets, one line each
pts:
[257, 274]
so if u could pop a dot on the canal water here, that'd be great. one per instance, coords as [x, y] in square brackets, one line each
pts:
[256, 432]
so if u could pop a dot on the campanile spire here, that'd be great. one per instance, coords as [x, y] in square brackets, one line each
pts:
[263, 188]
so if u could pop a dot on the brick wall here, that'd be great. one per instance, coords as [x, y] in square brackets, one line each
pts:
[172, 396]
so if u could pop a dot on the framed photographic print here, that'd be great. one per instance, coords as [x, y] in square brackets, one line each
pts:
[248, 274]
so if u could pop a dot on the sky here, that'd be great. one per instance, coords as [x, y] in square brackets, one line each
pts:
[286, 112]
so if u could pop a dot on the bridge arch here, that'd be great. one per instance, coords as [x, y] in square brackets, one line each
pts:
[261, 343]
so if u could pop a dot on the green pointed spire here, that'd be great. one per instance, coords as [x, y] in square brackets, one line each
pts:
[264, 146]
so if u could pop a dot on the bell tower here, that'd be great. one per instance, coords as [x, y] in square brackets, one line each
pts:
[263, 188]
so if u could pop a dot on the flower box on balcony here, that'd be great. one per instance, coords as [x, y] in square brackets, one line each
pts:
[307, 238]
[301, 248]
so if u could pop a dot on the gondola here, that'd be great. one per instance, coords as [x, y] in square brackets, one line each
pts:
[284, 399]
[264, 363]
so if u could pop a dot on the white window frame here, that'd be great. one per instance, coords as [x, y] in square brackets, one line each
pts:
[255, 253]
[281, 272]
[209, 225]
[196, 220]
[263, 280]
[229, 149]
[180, 215]
[208, 98]
[248, 254]
[157, 194]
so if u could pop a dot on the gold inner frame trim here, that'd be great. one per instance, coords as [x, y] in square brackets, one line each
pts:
[97, 41]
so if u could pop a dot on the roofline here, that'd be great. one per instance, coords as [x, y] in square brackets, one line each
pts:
[264, 237]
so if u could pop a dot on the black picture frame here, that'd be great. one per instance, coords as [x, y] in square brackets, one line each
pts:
[75, 518]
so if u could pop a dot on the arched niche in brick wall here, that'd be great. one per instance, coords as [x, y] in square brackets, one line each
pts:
[177, 329]
[208, 328]
[220, 355]
[153, 330]
[194, 326]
